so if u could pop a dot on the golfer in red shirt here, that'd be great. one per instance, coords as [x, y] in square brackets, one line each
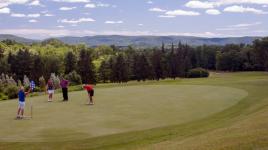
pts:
[90, 91]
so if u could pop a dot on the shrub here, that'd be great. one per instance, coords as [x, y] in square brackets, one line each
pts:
[26, 81]
[11, 91]
[197, 73]
[55, 79]
[74, 78]
[42, 83]
[37, 89]
[3, 96]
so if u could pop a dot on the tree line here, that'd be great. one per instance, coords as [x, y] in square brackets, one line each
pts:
[114, 64]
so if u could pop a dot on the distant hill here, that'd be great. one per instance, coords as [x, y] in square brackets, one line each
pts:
[138, 41]
[16, 38]
[151, 41]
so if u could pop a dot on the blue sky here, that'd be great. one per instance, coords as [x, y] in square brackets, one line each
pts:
[206, 18]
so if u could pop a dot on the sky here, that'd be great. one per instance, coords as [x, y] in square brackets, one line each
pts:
[39, 19]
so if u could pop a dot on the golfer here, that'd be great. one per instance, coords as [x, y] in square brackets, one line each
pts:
[64, 86]
[90, 91]
[50, 90]
[21, 94]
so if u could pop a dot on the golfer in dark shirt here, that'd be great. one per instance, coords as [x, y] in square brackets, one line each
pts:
[64, 86]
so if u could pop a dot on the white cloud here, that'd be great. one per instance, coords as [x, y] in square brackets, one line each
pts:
[230, 29]
[60, 26]
[23, 15]
[157, 9]
[182, 13]
[103, 5]
[17, 15]
[35, 3]
[72, 1]
[213, 12]
[264, 6]
[114, 22]
[238, 27]
[150, 2]
[90, 5]
[218, 3]
[166, 16]
[199, 4]
[44, 11]
[33, 21]
[245, 24]
[48, 15]
[67, 8]
[4, 10]
[80, 20]
[140, 24]
[5, 3]
[241, 9]
[33, 15]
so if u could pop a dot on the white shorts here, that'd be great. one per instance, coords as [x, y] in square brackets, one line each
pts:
[21, 105]
[50, 91]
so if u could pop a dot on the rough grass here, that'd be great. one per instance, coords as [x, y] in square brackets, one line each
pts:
[233, 125]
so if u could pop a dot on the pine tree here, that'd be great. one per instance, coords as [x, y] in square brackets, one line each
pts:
[86, 67]
[173, 71]
[157, 64]
[104, 72]
[70, 62]
[120, 70]
[38, 68]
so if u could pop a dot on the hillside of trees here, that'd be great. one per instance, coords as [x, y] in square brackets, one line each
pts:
[82, 64]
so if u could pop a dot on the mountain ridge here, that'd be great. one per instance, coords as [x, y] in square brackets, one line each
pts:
[138, 41]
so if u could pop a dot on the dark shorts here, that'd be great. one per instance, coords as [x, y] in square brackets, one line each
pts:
[91, 92]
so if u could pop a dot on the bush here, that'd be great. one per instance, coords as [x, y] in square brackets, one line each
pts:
[3, 96]
[42, 83]
[198, 73]
[11, 91]
[37, 89]
[74, 78]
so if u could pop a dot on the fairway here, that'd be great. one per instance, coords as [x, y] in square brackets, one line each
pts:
[117, 110]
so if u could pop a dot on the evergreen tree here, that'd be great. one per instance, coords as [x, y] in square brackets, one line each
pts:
[173, 72]
[70, 62]
[86, 67]
[261, 47]
[38, 68]
[104, 72]
[120, 69]
[157, 64]
[23, 64]
[141, 68]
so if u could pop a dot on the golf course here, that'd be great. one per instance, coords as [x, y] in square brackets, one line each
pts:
[224, 111]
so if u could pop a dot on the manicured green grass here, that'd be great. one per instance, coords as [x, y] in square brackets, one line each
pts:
[225, 111]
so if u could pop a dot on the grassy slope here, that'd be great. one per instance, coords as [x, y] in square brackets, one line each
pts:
[117, 110]
[241, 126]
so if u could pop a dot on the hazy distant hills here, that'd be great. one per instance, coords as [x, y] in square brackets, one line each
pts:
[150, 41]
[16, 38]
[139, 41]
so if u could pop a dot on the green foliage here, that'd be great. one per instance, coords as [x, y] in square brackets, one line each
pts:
[74, 78]
[85, 67]
[3, 96]
[26, 81]
[70, 62]
[11, 91]
[198, 73]
[42, 83]
[261, 47]
[104, 72]
[56, 80]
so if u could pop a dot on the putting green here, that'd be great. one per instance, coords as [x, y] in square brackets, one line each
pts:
[117, 110]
